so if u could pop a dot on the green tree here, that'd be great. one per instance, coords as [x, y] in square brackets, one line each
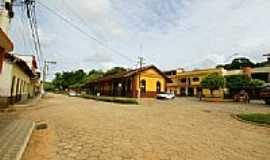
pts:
[76, 79]
[256, 83]
[115, 70]
[237, 82]
[48, 86]
[66, 80]
[94, 75]
[238, 63]
[58, 80]
[213, 82]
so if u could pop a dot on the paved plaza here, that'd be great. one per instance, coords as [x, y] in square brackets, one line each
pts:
[182, 129]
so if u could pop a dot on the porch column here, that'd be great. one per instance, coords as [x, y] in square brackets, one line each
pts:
[186, 91]
[112, 89]
[195, 91]
[126, 87]
[186, 87]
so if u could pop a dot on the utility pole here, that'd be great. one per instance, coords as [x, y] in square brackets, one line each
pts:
[45, 72]
[141, 59]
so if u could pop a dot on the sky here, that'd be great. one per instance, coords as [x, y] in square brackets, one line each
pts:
[167, 33]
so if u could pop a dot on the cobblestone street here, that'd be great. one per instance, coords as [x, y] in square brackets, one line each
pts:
[181, 129]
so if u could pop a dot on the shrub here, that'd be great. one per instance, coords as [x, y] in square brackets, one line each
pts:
[110, 99]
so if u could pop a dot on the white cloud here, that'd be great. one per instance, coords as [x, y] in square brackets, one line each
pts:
[174, 33]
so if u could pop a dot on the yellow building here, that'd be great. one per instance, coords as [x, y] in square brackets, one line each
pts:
[18, 82]
[126, 84]
[187, 83]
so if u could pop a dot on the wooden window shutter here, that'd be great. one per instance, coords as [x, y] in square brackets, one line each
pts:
[2, 57]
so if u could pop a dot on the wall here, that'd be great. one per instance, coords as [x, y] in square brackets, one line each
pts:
[5, 82]
[177, 85]
[216, 93]
[151, 77]
[26, 87]
[24, 90]
[4, 20]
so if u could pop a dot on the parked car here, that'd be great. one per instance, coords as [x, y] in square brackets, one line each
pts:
[72, 94]
[265, 93]
[164, 95]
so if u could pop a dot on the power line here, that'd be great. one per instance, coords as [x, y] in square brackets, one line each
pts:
[37, 33]
[30, 10]
[81, 19]
[24, 31]
[85, 33]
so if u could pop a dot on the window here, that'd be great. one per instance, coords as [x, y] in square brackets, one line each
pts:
[183, 80]
[158, 87]
[196, 79]
[143, 86]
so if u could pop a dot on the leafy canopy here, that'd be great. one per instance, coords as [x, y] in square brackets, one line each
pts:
[213, 82]
[256, 83]
[115, 70]
[77, 79]
[238, 63]
[239, 82]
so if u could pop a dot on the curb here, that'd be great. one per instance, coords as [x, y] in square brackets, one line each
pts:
[235, 116]
[24, 146]
[27, 105]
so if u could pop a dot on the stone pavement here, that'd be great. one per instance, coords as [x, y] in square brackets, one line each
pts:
[182, 129]
[14, 136]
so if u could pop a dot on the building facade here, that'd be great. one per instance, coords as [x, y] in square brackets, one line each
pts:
[188, 83]
[18, 82]
[126, 84]
[262, 73]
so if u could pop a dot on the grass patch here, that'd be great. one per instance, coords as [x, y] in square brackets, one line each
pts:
[111, 99]
[259, 118]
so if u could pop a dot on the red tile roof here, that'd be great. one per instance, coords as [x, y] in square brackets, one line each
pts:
[5, 38]
[23, 65]
[129, 74]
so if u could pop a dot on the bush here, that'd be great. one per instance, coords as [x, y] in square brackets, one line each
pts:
[110, 99]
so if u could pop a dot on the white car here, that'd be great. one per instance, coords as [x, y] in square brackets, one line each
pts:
[72, 94]
[164, 95]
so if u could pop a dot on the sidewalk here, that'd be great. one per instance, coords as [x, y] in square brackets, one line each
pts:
[15, 132]
[27, 103]
[14, 136]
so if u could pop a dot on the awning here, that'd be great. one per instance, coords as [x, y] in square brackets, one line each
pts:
[5, 42]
